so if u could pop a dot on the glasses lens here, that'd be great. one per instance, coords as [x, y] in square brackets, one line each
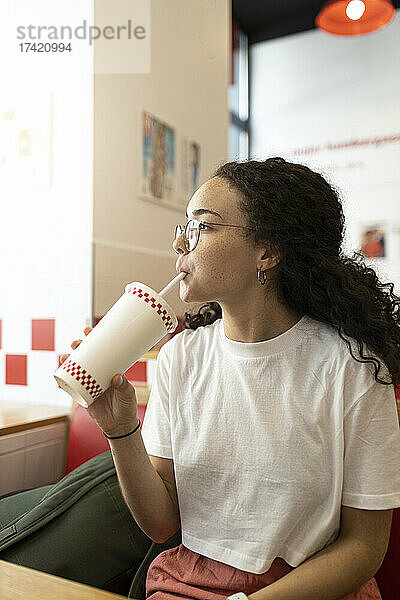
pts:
[192, 234]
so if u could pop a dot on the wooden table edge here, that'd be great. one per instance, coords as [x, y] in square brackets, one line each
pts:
[17, 581]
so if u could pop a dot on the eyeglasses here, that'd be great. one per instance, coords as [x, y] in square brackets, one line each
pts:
[191, 232]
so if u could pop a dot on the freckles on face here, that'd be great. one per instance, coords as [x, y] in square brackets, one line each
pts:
[222, 257]
[222, 254]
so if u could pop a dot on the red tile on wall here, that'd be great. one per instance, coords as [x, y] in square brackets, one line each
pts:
[16, 369]
[43, 334]
[137, 372]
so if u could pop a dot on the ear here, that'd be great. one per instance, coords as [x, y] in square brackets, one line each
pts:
[268, 258]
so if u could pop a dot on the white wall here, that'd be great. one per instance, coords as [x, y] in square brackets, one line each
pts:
[187, 88]
[83, 204]
[313, 90]
[46, 210]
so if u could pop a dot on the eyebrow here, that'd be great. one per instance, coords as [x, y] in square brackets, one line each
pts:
[202, 211]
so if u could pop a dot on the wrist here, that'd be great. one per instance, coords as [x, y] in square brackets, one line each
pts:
[123, 432]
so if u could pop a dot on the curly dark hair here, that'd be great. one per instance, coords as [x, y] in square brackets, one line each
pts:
[301, 215]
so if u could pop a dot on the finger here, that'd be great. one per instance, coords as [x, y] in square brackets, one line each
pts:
[124, 386]
[75, 344]
[116, 381]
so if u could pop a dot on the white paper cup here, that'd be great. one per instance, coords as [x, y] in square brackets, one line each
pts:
[133, 325]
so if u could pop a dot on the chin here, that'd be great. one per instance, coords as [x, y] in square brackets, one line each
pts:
[195, 299]
[188, 295]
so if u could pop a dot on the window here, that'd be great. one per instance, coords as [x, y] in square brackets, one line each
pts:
[238, 101]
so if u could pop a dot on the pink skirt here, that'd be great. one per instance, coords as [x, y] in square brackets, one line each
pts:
[181, 574]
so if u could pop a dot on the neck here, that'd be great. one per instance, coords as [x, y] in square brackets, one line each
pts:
[242, 326]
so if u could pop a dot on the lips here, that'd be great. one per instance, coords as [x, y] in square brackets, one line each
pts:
[181, 270]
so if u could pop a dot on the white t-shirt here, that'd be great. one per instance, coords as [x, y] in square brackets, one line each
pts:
[270, 438]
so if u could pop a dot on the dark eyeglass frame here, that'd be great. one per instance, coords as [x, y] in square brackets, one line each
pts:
[198, 227]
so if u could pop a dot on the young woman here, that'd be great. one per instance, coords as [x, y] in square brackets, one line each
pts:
[272, 418]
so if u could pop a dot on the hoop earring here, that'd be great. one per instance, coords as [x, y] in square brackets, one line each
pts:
[261, 276]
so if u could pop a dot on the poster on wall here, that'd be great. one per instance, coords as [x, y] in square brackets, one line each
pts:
[158, 181]
[373, 240]
[25, 143]
[190, 167]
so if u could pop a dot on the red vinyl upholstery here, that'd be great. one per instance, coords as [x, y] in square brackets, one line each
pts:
[86, 439]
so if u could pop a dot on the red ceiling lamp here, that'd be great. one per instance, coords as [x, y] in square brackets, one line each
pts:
[354, 17]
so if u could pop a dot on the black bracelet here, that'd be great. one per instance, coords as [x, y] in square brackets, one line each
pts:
[121, 436]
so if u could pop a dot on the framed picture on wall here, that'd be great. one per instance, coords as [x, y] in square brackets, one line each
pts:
[373, 239]
[158, 162]
[190, 167]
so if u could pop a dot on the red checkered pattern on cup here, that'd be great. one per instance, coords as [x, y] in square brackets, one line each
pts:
[155, 304]
[84, 378]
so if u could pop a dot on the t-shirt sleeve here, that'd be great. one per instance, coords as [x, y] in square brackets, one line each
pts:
[156, 429]
[371, 477]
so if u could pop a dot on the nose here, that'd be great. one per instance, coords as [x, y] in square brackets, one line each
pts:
[179, 245]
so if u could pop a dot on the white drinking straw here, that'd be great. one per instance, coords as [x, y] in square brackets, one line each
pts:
[172, 284]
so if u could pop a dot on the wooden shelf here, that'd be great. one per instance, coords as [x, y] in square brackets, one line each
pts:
[15, 417]
[151, 354]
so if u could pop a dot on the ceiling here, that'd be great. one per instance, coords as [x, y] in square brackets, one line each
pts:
[267, 19]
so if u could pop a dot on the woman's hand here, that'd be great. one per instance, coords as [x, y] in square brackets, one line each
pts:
[114, 411]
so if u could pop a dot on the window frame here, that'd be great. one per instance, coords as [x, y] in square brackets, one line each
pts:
[238, 95]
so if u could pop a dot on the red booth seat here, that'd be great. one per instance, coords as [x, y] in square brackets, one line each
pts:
[85, 439]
